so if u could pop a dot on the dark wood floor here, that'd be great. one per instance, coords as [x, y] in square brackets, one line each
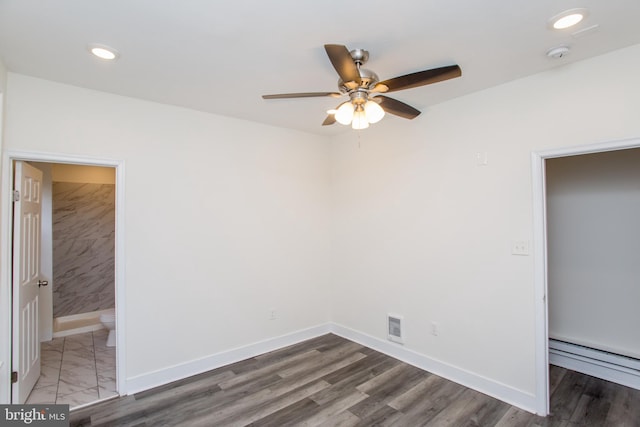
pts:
[330, 381]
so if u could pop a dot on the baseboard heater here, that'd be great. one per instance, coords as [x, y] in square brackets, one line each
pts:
[597, 363]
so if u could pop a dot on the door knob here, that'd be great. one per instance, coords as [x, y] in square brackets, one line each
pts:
[42, 283]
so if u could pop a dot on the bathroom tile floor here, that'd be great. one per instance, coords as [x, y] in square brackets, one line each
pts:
[76, 370]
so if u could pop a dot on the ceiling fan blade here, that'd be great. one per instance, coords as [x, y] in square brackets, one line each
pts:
[331, 119]
[343, 63]
[420, 78]
[302, 95]
[396, 107]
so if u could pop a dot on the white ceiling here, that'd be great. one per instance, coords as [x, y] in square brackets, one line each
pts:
[221, 56]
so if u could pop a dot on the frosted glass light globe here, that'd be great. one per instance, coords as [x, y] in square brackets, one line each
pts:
[359, 120]
[344, 115]
[373, 111]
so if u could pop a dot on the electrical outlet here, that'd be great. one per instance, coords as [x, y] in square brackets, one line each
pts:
[273, 315]
[520, 247]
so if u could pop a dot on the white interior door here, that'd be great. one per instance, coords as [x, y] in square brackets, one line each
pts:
[26, 279]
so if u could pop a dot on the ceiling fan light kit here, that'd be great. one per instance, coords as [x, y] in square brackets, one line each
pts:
[363, 87]
[374, 111]
[344, 113]
[359, 119]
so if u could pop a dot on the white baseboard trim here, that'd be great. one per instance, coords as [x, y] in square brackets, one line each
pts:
[80, 323]
[177, 372]
[508, 394]
[600, 364]
[474, 381]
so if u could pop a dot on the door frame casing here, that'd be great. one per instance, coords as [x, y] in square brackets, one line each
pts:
[6, 216]
[538, 171]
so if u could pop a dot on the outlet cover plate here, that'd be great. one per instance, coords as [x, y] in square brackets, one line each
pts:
[520, 247]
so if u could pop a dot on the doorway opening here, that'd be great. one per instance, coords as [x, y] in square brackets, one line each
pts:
[85, 261]
[541, 261]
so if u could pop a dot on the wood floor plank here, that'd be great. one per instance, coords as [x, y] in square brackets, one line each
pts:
[372, 365]
[556, 375]
[460, 411]
[383, 416]
[353, 375]
[256, 409]
[490, 412]
[625, 408]
[385, 387]
[124, 410]
[294, 360]
[384, 378]
[210, 377]
[515, 417]
[567, 395]
[324, 358]
[287, 416]
[330, 342]
[594, 404]
[417, 393]
[319, 344]
[441, 393]
[551, 422]
[313, 375]
[163, 405]
[172, 395]
[331, 409]
[343, 419]
[331, 381]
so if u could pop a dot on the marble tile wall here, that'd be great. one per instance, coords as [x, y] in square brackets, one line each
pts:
[83, 247]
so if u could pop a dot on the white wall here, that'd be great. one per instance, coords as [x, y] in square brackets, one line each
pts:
[3, 77]
[593, 220]
[423, 231]
[225, 219]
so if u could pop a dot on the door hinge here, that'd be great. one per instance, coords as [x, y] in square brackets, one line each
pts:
[14, 377]
[16, 196]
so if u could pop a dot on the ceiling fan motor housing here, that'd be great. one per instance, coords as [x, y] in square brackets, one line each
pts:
[368, 80]
[359, 96]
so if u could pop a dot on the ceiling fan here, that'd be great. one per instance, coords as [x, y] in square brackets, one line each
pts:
[365, 104]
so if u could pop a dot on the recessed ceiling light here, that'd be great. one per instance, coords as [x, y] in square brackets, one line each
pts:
[567, 19]
[104, 52]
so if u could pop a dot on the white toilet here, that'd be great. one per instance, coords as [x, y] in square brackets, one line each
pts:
[108, 319]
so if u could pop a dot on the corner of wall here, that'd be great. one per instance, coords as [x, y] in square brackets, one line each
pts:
[173, 373]
[504, 392]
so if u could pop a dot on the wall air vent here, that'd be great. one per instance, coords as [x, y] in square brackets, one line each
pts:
[394, 328]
